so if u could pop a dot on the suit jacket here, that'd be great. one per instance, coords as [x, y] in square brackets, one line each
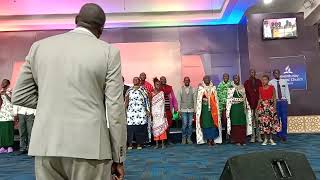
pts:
[74, 80]
[125, 89]
[252, 92]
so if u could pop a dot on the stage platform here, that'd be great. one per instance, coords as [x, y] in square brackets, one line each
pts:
[178, 162]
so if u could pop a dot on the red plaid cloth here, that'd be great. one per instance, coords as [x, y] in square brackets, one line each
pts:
[148, 87]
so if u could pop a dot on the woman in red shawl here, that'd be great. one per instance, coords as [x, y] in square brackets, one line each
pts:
[170, 101]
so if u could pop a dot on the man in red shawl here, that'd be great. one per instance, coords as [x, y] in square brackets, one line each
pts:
[252, 92]
[145, 83]
[170, 101]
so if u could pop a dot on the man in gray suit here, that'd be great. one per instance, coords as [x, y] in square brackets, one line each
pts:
[74, 80]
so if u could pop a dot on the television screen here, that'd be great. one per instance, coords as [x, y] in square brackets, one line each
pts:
[280, 28]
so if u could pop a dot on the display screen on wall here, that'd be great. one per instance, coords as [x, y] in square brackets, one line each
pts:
[293, 69]
[280, 28]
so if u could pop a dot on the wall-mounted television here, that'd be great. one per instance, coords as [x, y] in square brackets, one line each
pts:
[280, 28]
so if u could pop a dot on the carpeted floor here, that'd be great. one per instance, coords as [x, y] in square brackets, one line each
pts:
[178, 162]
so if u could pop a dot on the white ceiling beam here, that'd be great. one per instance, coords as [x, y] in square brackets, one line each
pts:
[49, 22]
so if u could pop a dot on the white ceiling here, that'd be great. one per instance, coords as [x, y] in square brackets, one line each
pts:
[16, 15]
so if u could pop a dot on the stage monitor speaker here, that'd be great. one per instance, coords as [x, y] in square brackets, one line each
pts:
[268, 165]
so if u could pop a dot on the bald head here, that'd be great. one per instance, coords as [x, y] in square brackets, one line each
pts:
[91, 17]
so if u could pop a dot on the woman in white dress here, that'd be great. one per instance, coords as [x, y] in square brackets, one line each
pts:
[159, 120]
[6, 118]
[138, 110]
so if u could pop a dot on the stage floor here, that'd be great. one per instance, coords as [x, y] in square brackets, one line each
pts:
[179, 162]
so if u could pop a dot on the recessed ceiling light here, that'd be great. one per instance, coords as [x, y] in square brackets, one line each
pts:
[267, 1]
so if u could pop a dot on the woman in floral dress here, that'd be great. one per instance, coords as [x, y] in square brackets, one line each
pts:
[266, 111]
[6, 118]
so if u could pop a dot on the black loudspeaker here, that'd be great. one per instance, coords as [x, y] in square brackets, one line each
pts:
[268, 165]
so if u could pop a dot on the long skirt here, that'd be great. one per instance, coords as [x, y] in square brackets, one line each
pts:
[139, 132]
[267, 116]
[163, 136]
[6, 133]
[238, 134]
[210, 133]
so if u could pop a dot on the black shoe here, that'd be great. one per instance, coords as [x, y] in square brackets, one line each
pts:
[22, 152]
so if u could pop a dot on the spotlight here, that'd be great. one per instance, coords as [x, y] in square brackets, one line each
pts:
[267, 1]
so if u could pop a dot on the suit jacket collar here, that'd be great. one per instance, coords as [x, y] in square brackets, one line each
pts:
[82, 30]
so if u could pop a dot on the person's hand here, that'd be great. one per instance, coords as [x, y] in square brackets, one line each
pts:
[148, 113]
[16, 118]
[117, 171]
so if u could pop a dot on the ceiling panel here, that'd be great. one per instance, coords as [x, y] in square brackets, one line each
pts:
[172, 5]
[279, 6]
[60, 14]
[37, 7]
[40, 7]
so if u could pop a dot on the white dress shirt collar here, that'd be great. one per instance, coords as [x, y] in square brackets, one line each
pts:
[84, 31]
[284, 88]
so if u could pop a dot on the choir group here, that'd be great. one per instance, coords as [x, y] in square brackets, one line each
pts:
[228, 112]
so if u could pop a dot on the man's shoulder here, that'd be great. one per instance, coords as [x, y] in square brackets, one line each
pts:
[53, 38]
[65, 36]
[46, 40]
[191, 87]
[148, 84]
[259, 82]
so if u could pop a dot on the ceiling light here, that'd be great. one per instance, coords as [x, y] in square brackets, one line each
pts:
[267, 1]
